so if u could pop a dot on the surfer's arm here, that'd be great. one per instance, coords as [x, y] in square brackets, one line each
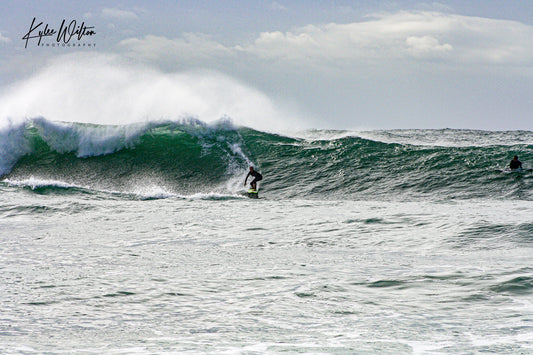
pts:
[246, 178]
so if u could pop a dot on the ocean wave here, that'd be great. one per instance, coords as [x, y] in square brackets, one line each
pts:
[427, 137]
[165, 159]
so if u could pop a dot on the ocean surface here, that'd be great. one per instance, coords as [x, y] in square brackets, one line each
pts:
[139, 239]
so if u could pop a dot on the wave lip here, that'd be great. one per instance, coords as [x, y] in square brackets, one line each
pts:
[24, 138]
[13, 146]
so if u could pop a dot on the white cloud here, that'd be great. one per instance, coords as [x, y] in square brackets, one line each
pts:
[416, 34]
[384, 42]
[188, 48]
[4, 39]
[427, 46]
[119, 14]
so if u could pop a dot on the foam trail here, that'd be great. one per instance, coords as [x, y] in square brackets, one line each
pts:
[35, 183]
[107, 90]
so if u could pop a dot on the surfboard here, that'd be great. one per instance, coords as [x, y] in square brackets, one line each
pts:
[253, 193]
[516, 171]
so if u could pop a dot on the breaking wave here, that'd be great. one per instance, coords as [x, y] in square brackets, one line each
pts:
[192, 158]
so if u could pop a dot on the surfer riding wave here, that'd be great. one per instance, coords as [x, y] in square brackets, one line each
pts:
[257, 177]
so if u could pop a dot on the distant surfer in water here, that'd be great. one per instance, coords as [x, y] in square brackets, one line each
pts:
[515, 163]
[257, 177]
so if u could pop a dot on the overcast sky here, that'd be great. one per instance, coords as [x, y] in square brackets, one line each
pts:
[301, 64]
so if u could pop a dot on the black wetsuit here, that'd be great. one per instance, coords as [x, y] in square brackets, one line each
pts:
[256, 175]
[515, 164]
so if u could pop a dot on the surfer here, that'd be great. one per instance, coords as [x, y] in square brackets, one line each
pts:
[515, 163]
[257, 177]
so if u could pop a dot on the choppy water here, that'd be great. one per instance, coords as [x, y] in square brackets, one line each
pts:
[128, 240]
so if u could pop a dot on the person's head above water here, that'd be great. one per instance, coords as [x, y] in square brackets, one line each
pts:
[251, 168]
[515, 157]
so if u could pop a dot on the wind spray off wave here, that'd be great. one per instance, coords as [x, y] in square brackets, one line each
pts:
[105, 89]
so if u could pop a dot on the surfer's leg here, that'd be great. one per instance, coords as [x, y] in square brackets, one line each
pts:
[255, 182]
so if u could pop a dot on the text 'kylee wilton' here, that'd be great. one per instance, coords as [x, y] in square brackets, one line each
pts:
[64, 36]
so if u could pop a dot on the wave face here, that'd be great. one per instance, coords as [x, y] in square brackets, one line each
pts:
[162, 159]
